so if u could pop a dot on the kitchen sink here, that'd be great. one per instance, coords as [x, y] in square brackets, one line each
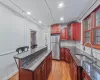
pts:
[84, 58]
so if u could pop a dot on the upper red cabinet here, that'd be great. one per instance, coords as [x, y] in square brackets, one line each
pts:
[71, 31]
[63, 34]
[75, 31]
[55, 29]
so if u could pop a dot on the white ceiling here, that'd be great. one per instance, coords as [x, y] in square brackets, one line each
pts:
[72, 9]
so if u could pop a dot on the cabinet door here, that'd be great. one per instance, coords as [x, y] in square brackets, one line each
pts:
[55, 29]
[50, 61]
[85, 76]
[37, 74]
[75, 71]
[47, 67]
[62, 54]
[67, 57]
[66, 33]
[43, 70]
[25, 75]
[71, 66]
[73, 25]
[63, 34]
[78, 32]
[52, 29]
[58, 28]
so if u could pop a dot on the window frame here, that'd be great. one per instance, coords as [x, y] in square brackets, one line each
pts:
[93, 26]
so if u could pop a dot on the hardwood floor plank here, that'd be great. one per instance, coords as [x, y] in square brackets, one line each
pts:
[60, 71]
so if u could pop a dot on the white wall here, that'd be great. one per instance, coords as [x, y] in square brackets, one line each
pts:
[14, 32]
[46, 32]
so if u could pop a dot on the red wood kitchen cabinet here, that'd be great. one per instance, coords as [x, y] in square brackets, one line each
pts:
[43, 70]
[49, 65]
[76, 31]
[62, 53]
[73, 26]
[25, 75]
[71, 67]
[55, 29]
[67, 55]
[75, 71]
[66, 34]
[63, 34]
[37, 74]
[85, 76]
[50, 61]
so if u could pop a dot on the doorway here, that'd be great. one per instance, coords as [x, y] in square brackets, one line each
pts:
[33, 39]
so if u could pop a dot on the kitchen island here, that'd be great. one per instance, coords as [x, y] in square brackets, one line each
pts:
[35, 64]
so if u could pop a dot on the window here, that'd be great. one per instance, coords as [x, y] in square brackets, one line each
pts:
[92, 28]
[97, 27]
[87, 29]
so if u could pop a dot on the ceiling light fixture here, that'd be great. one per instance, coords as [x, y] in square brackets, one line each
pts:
[61, 19]
[29, 13]
[40, 22]
[61, 5]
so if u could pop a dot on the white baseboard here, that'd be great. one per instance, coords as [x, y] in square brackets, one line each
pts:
[10, 75]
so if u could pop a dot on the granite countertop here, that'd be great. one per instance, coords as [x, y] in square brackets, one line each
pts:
[85, 61]
[37, 61]
[28, 53]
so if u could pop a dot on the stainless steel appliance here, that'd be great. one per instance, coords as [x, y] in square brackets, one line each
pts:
[55, 46]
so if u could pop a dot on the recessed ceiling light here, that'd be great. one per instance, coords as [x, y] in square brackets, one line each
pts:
[61, 5]
[40, 22]
[29, 13]
[61, 19]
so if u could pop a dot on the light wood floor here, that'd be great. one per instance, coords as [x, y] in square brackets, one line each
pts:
[60, 71]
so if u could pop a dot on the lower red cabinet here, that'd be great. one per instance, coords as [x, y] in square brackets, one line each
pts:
[43, 70]
[48, 69]
[75, 71]
[85, 76]
[62, 53]
[37, 74]
[67, 55]
[63, 34]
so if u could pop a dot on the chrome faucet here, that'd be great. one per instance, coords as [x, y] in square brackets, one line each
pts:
[91, 48]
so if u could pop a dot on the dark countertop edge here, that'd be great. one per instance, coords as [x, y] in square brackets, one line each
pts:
[38, 49]
[38, 64]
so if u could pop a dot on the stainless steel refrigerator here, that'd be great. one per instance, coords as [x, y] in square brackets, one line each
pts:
[55, 46]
